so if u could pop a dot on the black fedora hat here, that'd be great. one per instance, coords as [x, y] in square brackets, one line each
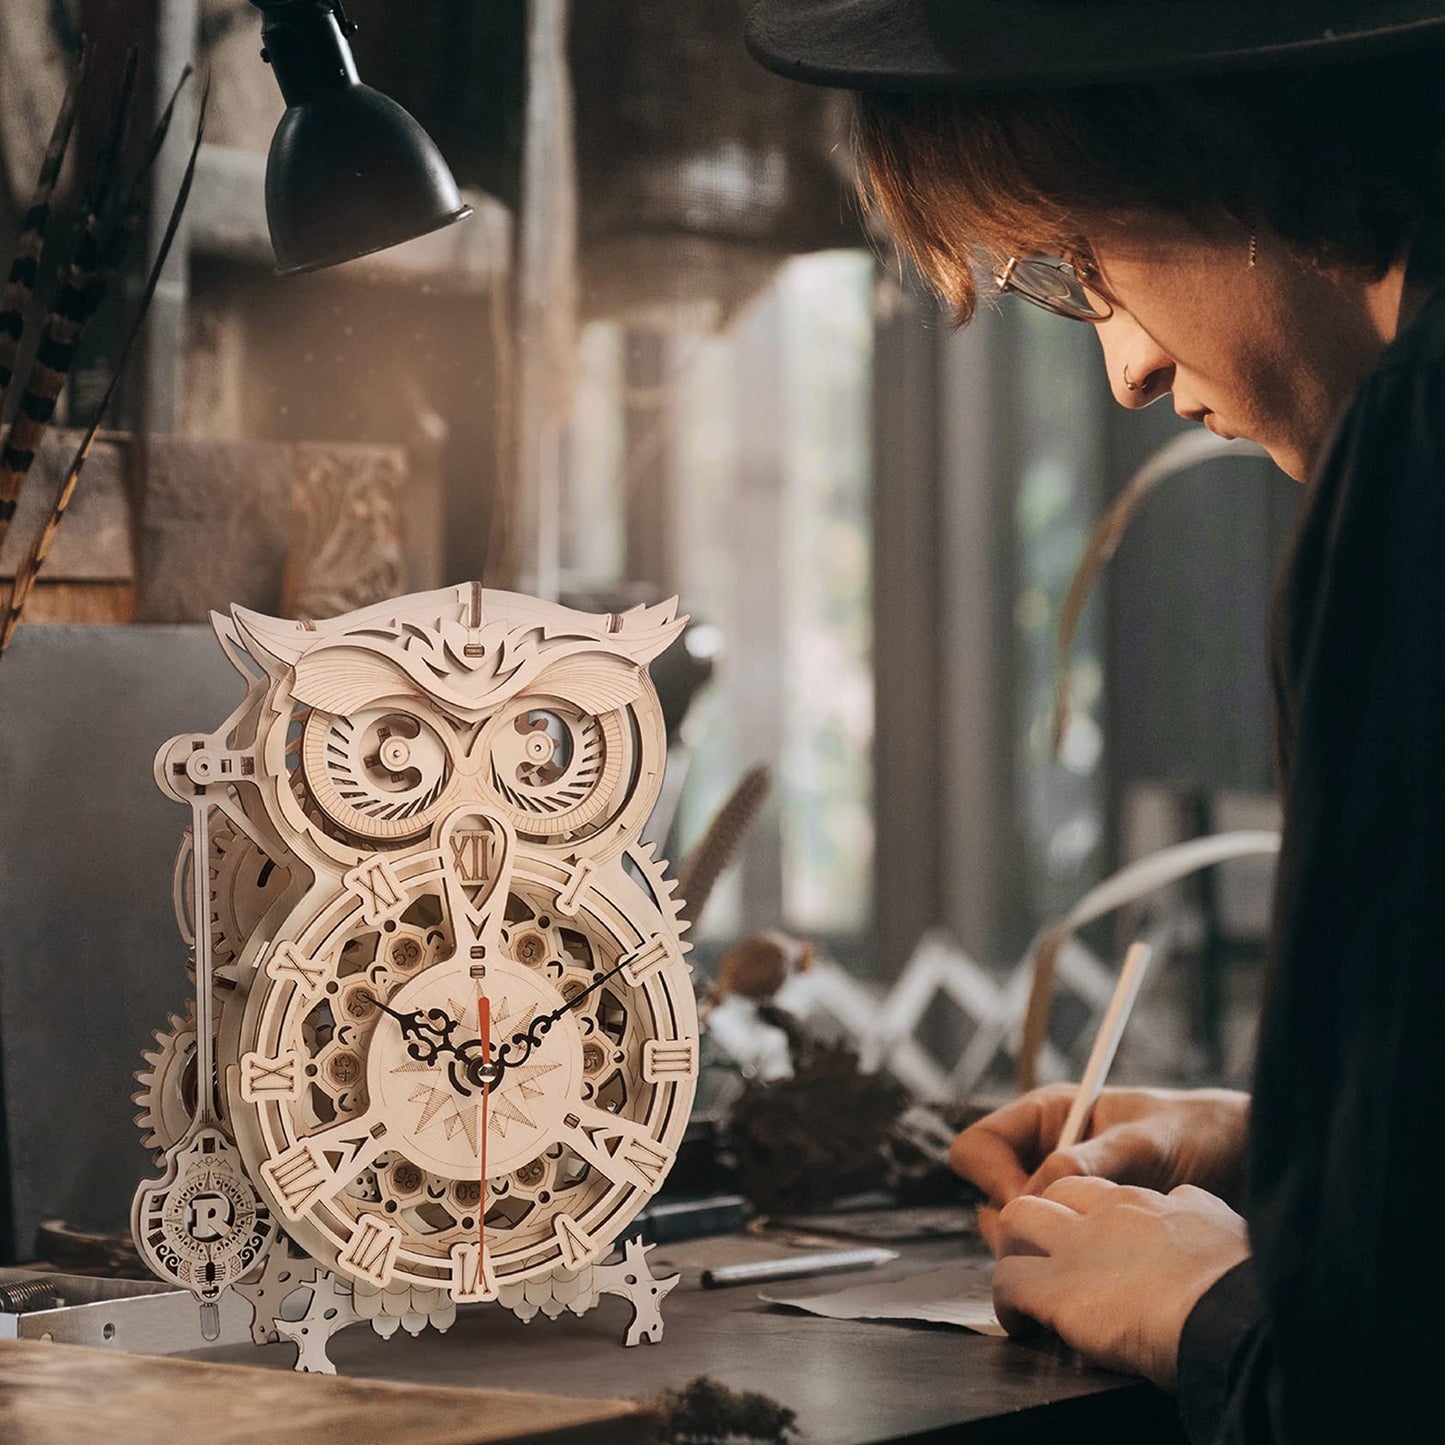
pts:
[988, 44]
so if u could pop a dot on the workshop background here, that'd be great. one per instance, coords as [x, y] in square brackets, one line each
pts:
[666, 355]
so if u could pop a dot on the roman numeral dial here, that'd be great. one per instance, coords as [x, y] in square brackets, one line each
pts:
[621, 1149]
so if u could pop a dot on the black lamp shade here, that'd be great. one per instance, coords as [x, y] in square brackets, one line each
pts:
[350, 172]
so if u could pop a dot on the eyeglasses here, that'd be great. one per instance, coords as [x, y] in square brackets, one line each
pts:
[1054, 285]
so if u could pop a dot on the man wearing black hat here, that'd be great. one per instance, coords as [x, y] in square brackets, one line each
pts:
[1247, 202]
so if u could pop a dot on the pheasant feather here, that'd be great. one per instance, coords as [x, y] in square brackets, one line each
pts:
[76, 299]
[124, 229]
[25, 268]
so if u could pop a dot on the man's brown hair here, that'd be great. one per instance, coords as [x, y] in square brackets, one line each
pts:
[1342, 162]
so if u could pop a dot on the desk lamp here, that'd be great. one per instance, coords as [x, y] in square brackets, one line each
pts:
[349, 172]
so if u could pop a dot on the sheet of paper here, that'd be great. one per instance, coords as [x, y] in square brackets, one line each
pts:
[919, 1221]
[954, 1294]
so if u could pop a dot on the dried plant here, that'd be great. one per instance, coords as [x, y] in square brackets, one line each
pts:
[707, 1412]
[802, 1142]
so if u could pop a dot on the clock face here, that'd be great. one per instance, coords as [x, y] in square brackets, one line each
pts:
[450, 790]
[356, 1141]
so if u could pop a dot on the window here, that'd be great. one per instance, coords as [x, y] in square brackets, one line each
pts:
[740, 459]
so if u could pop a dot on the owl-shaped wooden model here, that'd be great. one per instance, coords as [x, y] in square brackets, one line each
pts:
[440, 987]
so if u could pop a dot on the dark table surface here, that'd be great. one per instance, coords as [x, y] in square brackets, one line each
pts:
[850, 1382]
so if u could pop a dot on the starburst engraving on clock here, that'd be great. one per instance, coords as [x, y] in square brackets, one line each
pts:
[440, 1104]
[457, 1115]
[518, 1085]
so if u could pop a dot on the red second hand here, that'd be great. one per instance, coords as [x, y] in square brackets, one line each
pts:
[484, 1027]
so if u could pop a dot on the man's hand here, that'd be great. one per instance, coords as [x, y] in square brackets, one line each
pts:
[1112, 1269]
[1157, 1138]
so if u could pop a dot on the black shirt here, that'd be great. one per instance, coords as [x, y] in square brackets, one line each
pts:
[1335, 1330]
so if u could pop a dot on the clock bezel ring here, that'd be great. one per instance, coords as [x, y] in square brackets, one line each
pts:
[664, 1009]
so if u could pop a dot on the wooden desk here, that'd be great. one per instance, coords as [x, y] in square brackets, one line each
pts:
[851, 1382]
[60, 1394]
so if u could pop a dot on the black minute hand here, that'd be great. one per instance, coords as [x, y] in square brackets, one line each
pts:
[539, 1027]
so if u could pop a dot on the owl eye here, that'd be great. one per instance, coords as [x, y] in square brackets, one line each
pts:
[380, 774]
[560, 773]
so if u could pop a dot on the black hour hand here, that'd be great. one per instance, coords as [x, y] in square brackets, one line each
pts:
[427, 1034]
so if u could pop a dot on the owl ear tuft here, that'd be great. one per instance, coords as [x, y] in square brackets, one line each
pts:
[644, 632]
[274, 642]
[233, 644]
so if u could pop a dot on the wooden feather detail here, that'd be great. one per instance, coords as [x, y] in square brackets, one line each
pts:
[115, 250]
[25, 268]
[707, 862]
[597, 683]
[347, 679]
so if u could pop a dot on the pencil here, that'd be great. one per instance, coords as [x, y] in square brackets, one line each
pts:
[1111, 1030]
[798, 1266]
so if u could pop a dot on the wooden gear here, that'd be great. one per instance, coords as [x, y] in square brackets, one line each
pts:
[416, 806]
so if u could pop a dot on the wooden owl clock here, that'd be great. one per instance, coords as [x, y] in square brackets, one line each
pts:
[444, 1042]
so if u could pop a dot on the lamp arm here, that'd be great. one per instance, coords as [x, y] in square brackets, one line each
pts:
[347, 25]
